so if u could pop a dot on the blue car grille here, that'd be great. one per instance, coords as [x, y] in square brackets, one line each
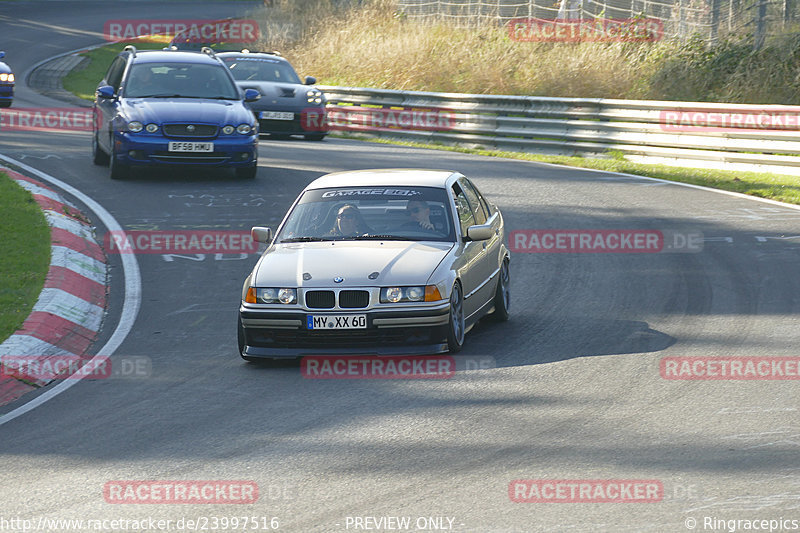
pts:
[190, 130]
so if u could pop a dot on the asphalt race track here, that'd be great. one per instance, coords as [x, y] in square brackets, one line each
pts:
[576, 391]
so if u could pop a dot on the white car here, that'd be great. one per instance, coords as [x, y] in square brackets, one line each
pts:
[376, 262]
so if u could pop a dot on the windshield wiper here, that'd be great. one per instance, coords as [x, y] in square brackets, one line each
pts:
[306, 239]
[382, 237]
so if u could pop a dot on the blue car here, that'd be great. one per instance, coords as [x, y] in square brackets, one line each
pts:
[6, 83]
[173, 108]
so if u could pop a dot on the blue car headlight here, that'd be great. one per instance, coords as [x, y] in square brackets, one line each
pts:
[135, 126]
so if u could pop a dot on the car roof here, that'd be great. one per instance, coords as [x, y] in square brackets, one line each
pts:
[384, 177]
[257, 55]
[173, 56]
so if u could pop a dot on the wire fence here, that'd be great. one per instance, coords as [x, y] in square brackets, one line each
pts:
[680, 19]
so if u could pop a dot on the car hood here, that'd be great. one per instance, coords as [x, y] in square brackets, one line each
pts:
[195, 110]
[4, 68]
[397, 263]
[282, 92]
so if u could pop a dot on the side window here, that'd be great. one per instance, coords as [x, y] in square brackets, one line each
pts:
[465, 215]
[115, 71]
[474, 203]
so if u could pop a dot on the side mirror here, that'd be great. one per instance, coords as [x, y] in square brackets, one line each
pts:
[106, 92]
[2, 55]
[480, 232]
[261, 234]
[310, 80]
[251, 95]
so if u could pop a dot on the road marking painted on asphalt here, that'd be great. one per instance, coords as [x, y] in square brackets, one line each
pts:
[131, 298]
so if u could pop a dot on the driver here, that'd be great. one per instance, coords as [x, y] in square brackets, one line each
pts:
[419, 214]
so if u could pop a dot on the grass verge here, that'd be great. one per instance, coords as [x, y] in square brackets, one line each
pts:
[764, 185]
[83, 82]
[24, 254]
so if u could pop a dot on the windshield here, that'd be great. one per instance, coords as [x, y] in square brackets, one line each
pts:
[379, 213]
[186, 80]
[261, 69]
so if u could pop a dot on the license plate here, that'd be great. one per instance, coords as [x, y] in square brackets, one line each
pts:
[337, 322]
[175, 146]
[276, 115]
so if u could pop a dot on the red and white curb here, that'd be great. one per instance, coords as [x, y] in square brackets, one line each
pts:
[69, 312]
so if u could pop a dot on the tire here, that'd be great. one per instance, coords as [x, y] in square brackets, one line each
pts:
[314, 136]
[246, 173]
[5, 104]
[118, 171]
[502, 296]
[455, 330]
[99, 157]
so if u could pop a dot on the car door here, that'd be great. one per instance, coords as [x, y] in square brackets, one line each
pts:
[471, 264]
[492, 246]
[106, 109]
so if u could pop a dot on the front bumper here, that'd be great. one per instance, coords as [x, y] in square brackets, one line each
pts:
[145, 150]
[6, 91]
[309, 121]
[275, 333]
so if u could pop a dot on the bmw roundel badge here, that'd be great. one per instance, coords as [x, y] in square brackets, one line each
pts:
[337, 279]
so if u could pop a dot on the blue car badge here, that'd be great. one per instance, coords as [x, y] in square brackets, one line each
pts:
[337, 279]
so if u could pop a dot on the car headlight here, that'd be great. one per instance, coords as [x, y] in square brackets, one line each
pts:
[420, 293]
[227, 130]
[135, 126]
[6, 77]
[314, 96]
[271, 295]
[151, 128]
[244, 129]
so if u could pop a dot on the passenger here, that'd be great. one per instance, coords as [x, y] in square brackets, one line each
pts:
[349, 222]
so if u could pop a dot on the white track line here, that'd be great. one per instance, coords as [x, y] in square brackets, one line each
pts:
[131, 299]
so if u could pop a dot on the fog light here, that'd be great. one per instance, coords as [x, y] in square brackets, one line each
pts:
[244, 156]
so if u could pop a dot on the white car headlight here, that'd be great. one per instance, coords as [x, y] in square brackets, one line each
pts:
[271, 295]
[135, 126]
[151, 128]
[421, 293]
[227, 130]
[6, 77]
[244, 129]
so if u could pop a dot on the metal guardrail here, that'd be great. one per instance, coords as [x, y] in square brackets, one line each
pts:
[763, 138]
